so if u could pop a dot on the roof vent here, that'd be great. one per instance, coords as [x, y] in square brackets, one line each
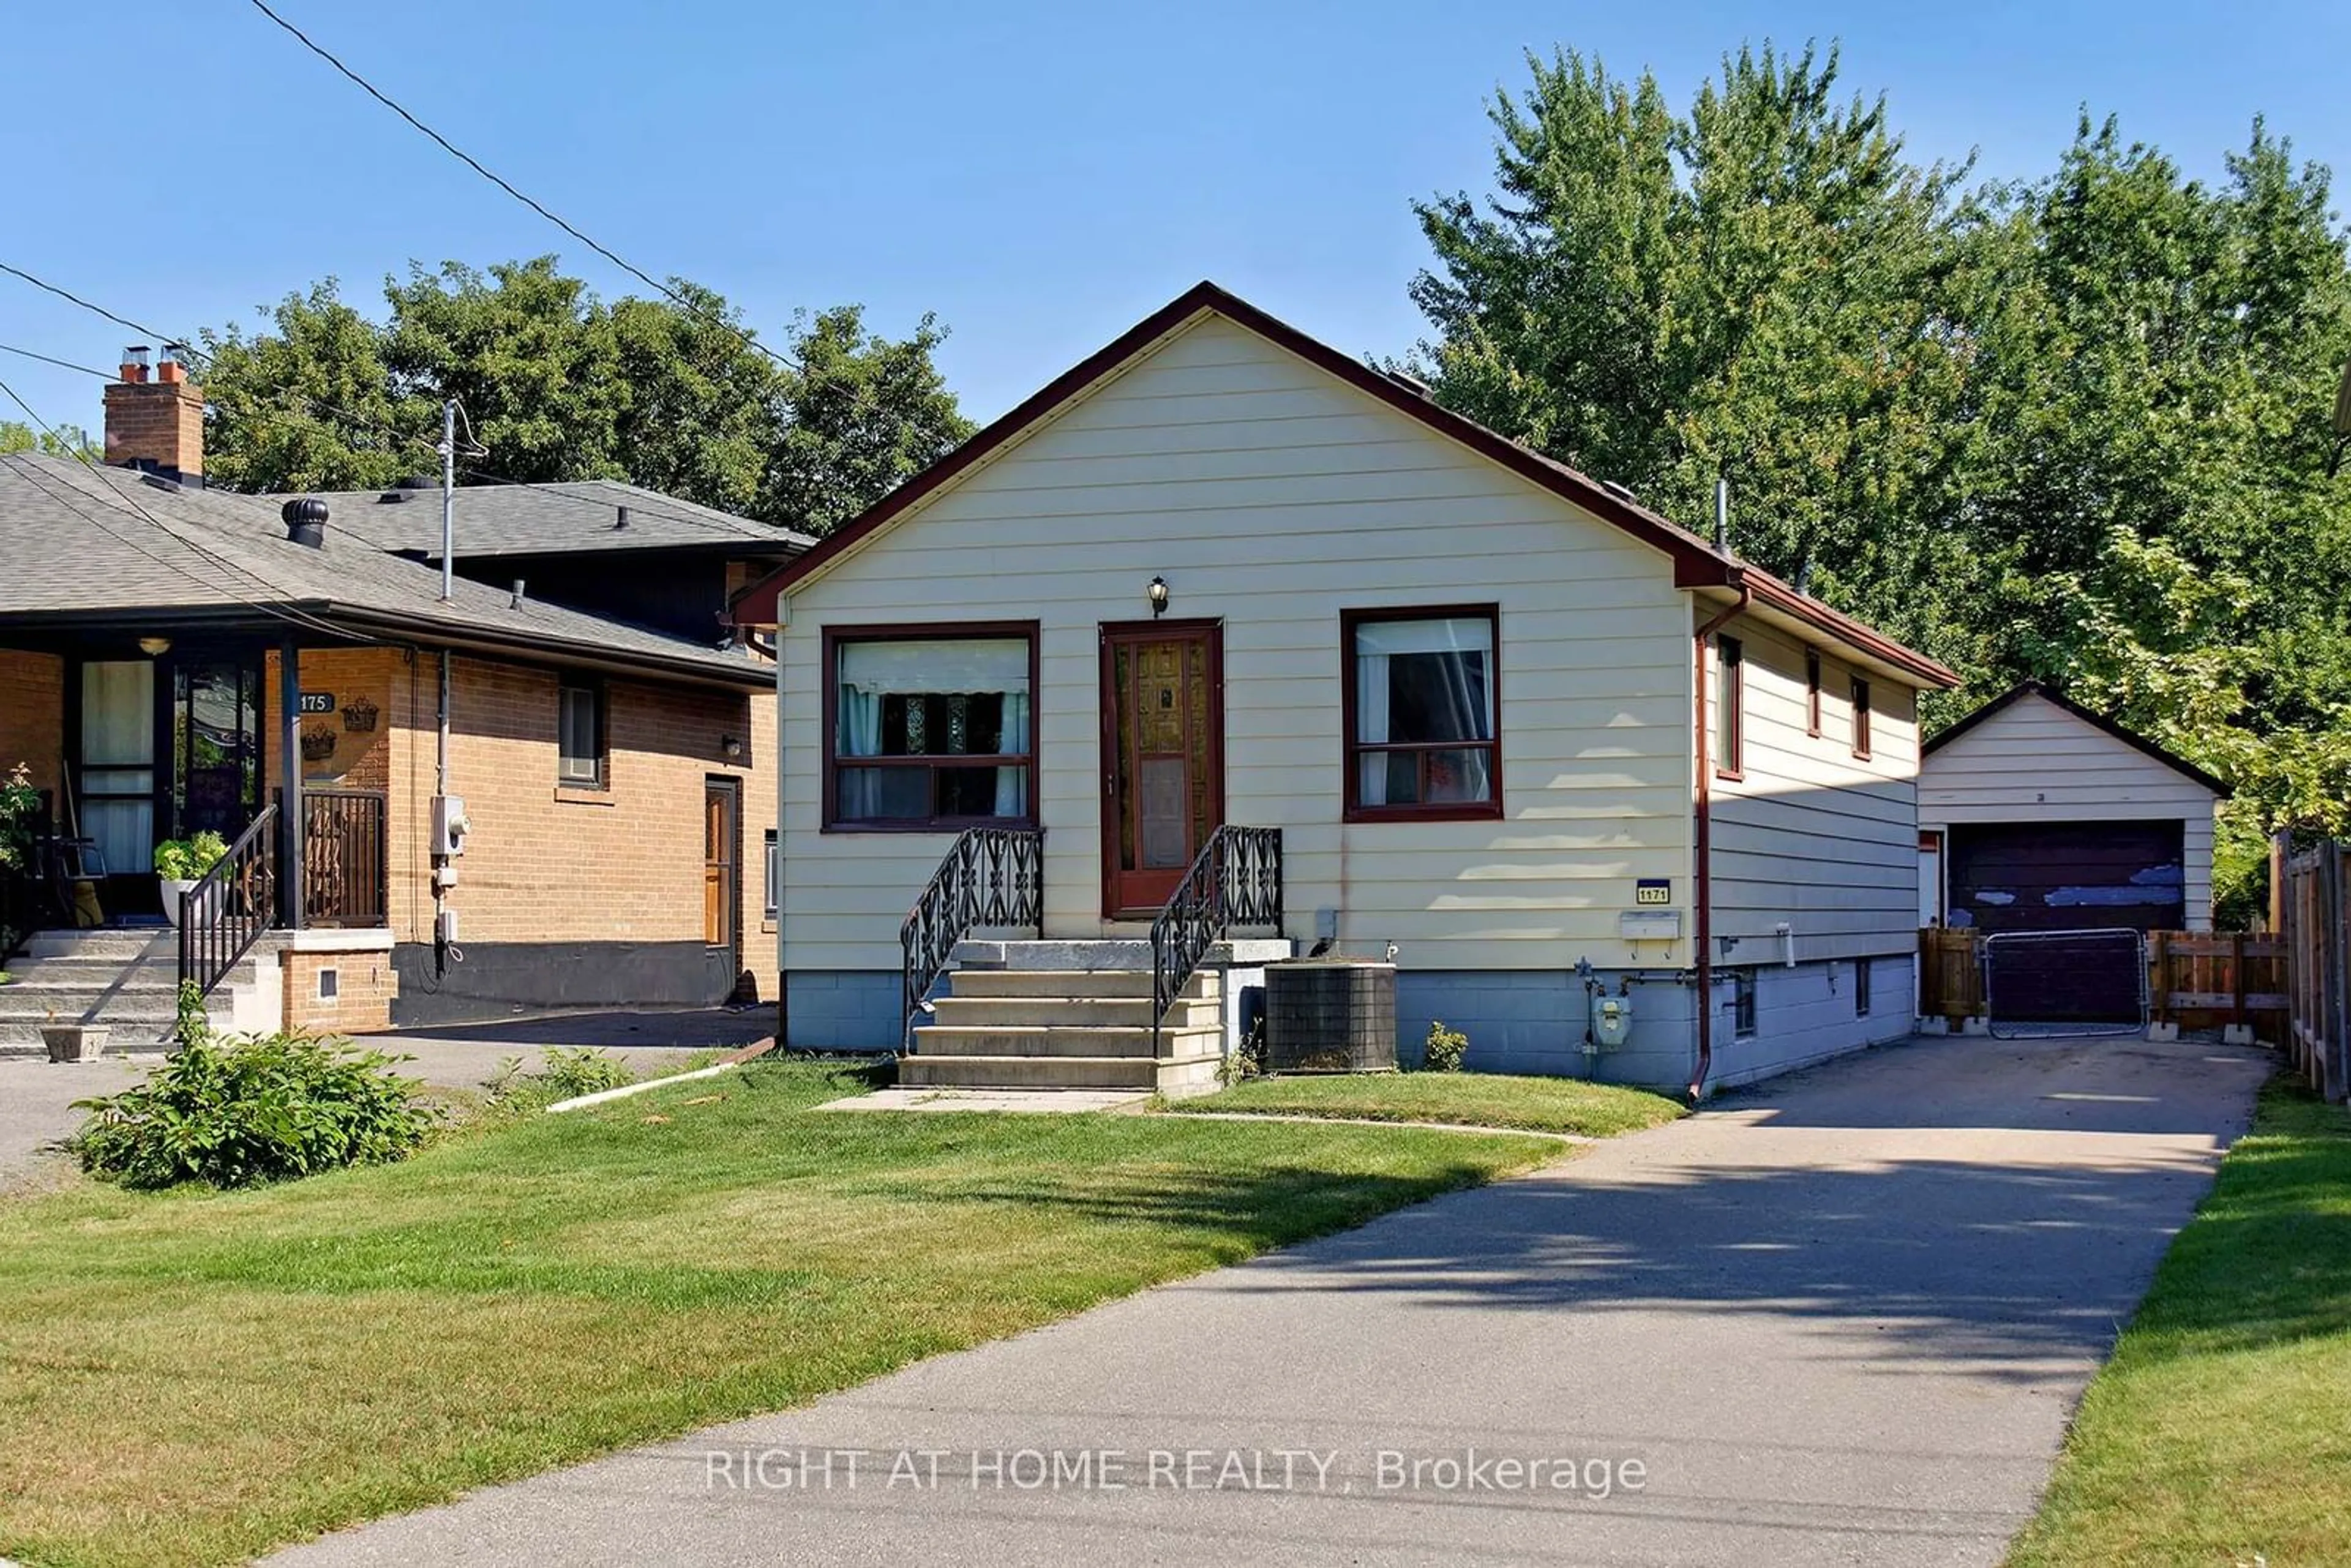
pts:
[1621, 490]
[306, 520]
[394, 497]
[622, 521]
[516, 602]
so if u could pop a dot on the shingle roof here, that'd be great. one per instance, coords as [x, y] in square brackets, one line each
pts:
[551, 519]
[77, 541]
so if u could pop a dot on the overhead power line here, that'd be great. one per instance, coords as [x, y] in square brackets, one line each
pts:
[51, 360]
[129, 506]
[316, 406]
[475, 164]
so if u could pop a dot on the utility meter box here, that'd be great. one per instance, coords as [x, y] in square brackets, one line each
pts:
[449, 824]
[1612, 1020]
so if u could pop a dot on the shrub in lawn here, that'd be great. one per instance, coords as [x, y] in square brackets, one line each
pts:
[242, 1111]
[565, 1074]
[1444, 1049]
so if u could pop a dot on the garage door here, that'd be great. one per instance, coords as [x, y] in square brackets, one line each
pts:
[2063, 876]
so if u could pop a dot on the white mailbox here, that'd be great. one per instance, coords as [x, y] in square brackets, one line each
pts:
[1649, 925]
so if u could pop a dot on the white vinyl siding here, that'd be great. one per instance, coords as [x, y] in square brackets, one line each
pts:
[1811, 834]
[2034, 762]
[1274, 497]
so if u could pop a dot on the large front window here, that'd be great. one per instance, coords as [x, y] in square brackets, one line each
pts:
[931, 730]
[1422, 738]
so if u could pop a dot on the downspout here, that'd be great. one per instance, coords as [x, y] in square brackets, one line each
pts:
[1702, 843]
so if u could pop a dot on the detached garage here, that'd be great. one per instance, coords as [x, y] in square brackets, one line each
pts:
[2036, 814]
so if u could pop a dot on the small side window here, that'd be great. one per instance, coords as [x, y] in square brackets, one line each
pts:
[774, 866]
[579, 733]
[1813, 692]
[1742, 1003]
[1860, 717]
[1860, 988]
[1731, 708]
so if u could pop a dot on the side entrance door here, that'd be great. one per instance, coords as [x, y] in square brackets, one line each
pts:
[722, 877]
[1163, 719]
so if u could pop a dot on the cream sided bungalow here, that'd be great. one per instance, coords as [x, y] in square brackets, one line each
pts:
[1225, 645]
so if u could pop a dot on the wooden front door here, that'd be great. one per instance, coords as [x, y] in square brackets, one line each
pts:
[721, 884]
[1163, 701]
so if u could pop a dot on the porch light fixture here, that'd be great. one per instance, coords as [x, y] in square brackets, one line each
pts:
[1158, 593]
[732, 744]
[154, 647]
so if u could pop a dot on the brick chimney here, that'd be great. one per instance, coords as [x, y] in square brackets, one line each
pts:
[156, 425]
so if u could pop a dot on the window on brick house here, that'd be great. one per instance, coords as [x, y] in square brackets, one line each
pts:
[579, 733]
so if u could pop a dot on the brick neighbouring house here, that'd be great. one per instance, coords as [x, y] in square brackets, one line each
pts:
[616, 768]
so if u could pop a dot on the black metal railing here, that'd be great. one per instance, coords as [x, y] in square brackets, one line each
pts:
[342, 857]
[1236, 880]
[993, 876]
[225, 912]
[20, 903]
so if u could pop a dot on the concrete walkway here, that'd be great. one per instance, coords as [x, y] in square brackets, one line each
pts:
[1842, 1319]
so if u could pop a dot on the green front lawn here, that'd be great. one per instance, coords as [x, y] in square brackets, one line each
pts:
[1463, 1099]
[2221, 1431]
[195, 1376]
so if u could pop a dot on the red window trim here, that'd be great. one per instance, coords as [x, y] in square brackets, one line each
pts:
[1861, 711]
[1351, 749]
[1730, 702]
[829, 688]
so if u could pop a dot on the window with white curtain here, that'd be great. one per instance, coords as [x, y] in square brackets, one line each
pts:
[930, 731]
[1423, 738]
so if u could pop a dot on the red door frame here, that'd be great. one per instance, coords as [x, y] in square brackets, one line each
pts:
[1211, 632]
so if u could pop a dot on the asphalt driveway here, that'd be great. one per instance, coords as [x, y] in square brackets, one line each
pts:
[1840, 1318]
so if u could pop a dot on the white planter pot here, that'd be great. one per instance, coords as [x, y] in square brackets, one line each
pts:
[75, 1042]
[172, 893]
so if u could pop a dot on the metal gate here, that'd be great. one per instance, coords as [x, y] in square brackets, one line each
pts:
[2064, 982]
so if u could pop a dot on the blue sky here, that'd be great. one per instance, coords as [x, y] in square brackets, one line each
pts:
[1039, 176]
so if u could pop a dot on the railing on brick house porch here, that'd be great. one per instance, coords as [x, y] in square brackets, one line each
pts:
[343, 859]
[230, 905]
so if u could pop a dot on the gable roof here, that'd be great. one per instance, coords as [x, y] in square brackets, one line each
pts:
[570, 517]
[1696, 563]
[79, 544]
[2060, 701]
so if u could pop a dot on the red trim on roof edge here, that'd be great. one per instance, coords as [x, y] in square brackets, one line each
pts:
[1696, 563]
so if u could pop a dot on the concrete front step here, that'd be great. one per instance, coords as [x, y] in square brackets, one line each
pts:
[1052, 1041]
[119, 946]
[1107, 952]
[1049, 983]
[1182, 1075]
[1133, 1012]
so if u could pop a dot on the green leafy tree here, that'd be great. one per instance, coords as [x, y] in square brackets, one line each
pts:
[857, 416]
[2075, 428]
[1755, 288]
[557, 385]
[69, 441]
[309, 404]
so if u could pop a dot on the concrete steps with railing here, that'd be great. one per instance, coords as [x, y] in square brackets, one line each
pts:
[125, 978]
[1068, 1015]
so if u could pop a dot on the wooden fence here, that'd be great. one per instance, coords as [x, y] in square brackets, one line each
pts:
[2312, 897]
[2196, 980]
